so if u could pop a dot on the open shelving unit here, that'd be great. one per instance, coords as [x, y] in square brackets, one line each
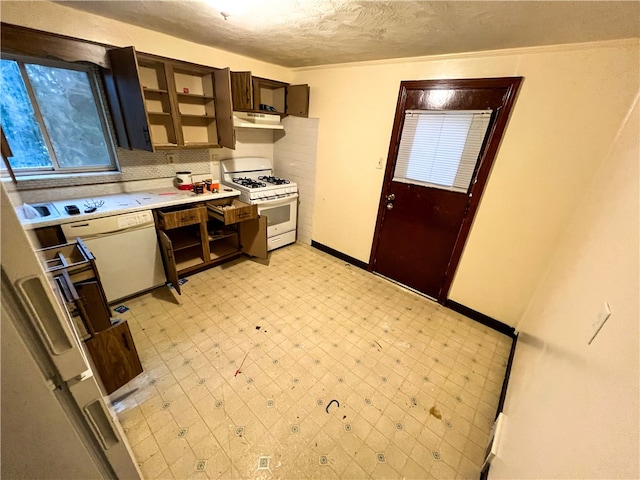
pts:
[196, 106]
[157, 101]
[177, 104]
[257, 94]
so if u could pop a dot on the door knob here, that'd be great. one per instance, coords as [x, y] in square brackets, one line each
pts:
[389, 206]
[391, 197]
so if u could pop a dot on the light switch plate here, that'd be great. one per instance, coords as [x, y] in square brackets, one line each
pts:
[603, 316]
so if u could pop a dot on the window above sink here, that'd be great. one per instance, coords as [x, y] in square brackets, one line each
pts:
[53, 118]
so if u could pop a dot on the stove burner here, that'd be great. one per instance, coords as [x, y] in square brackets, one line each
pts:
[249, 182]
[273, 180]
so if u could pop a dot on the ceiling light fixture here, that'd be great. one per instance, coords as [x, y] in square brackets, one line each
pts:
[231, 8]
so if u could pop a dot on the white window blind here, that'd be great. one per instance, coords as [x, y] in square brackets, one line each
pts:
[440, 148]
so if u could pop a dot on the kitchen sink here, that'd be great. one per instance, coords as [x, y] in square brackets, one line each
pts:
[37, 210]
[46, 210]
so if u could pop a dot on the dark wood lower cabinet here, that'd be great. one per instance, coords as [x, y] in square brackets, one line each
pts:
[207, 234]
[115, 356]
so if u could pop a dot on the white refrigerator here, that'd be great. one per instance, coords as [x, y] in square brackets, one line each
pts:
[55, 420]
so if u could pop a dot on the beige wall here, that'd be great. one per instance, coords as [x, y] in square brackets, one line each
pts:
[573, 409]
[55, 18]
[570, 104]
[566, 115]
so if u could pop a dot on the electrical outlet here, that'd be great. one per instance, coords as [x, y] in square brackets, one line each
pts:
[214, 156]
[603, 316]
[380, 163]
[171, 158]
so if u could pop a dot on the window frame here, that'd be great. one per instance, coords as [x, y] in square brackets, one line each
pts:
[94, 80]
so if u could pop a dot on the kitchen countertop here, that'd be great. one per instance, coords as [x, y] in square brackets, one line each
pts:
[120, 203]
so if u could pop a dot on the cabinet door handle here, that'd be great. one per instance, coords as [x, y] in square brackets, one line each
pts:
[147, 137]
[125, 341]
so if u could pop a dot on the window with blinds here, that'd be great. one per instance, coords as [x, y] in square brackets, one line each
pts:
[440, 148]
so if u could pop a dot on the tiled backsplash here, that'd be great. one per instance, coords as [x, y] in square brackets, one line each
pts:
[145, 170]
[295, 155]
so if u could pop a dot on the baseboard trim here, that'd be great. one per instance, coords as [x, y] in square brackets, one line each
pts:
[507, 375]
[481, 318]
[455, 306]
[484, 475]
[340, 255]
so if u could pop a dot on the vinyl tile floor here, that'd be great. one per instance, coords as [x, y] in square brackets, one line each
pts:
[307, 367]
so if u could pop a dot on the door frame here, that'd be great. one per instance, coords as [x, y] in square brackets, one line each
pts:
[511, 86]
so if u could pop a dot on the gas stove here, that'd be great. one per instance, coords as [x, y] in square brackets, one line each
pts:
[274, 180]
[248, 182]
[277, 198]
[253, 176]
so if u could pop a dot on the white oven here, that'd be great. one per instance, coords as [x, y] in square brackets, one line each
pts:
[276, 198]
[281, 216]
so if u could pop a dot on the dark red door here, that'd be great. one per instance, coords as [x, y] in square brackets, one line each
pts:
[421, 230]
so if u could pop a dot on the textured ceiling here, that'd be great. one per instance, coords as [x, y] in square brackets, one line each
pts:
[297, 33]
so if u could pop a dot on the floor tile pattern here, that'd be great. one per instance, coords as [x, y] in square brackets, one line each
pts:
[307, 367]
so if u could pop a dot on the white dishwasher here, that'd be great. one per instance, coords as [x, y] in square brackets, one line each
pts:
[126, 251]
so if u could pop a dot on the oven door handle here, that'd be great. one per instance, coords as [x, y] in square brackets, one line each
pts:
[275, 201]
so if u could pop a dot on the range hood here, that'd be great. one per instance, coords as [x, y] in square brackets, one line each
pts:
[256, 120]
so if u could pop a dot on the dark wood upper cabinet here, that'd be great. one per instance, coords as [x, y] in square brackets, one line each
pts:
[224, 108]
[6, 153]
[167, 103]
[257, 94]
[155, 102]
[298, 100]
[242, 90]
[124, 67]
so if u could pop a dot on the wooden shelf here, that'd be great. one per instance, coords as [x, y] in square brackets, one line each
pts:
[154, 90]
[226, 233]
[183, 238]
[192, 115]
[195, 95]
[165, 145]
[197, 144]
[224, 247]
[189, 257]
[164, 114]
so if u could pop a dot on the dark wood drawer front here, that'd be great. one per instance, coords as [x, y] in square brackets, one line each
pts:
[93, 306]
[181, 218]
[232, 212]
[115, 356]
